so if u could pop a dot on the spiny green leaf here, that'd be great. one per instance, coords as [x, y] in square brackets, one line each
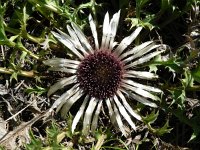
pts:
[53, 131]
[35, 143]
[13, 38]
[14, 76]
[188, 81]
[134, 22]
[196, 130]
[193, 136]
[3, 36]
[151, 118]
[174, 64]
[137, 22]
[38, 90]
[23, 56]
[179, 97]
[153, 68]
[164, 129]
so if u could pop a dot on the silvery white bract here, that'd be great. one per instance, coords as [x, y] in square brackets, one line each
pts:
[104, 74]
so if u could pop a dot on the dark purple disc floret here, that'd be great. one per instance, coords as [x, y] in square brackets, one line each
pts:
[100, 74]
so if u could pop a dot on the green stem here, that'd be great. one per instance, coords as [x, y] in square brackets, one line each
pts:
[24, 34]
[22, 48]
[138, 8]
[29, 74]
[11, 30]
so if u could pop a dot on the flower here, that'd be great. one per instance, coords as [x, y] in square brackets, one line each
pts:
[106, 74]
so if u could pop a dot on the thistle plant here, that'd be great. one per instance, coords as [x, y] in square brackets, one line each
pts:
[105, 74]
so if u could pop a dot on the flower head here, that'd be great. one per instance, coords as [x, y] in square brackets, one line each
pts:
[103, 73]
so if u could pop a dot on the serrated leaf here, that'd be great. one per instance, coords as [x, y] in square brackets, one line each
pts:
[196, 130]
[35, 143]
[38, 90]
[151, 118]
[153, 68]
[173, 64]
[3, 38]
[23, 55]
[188, 81]
[47, 5]
[144, 23]
[163, 130]
[193, 136]
[12, 38]
[134, 22]
[178, 97]
[14, 76]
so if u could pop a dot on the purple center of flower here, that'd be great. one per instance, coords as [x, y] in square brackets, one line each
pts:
[100, 74]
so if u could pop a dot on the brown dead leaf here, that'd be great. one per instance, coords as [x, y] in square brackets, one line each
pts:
[14, 139]
[3, 127]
